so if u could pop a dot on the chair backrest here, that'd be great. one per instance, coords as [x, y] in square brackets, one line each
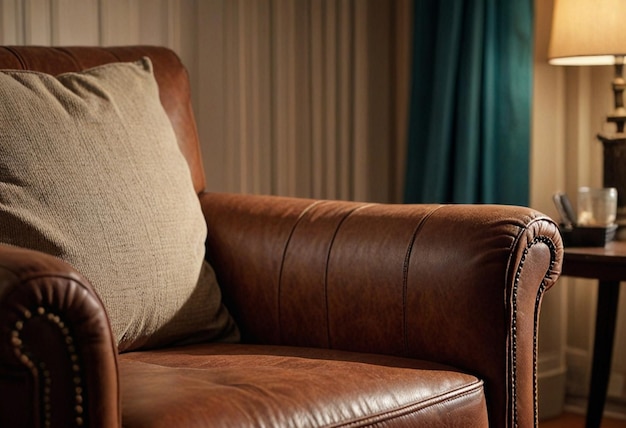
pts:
[170, 74]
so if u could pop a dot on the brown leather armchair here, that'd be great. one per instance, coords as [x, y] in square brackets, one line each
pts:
[351, 314]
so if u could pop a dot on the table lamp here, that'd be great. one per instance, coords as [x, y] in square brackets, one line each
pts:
[593, 32]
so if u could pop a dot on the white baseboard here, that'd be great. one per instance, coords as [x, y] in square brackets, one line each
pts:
[551, 386]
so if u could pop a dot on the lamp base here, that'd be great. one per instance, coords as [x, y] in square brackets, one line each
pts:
[615, 174]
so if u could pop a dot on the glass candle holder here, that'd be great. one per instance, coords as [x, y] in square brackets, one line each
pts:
[597, 207]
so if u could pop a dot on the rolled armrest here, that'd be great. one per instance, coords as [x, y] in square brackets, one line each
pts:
[455, 284]
[58, 359]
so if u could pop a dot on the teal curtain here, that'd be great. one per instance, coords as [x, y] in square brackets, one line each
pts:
[469, 119]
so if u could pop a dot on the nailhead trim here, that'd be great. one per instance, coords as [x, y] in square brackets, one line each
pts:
[548, 242]
[26, 358]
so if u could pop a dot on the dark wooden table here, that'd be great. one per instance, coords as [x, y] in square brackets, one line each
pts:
[607, 265]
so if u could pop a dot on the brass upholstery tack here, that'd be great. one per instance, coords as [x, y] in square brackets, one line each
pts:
[41, 370]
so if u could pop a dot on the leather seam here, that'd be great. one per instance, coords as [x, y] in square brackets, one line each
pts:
[405, 276]
[415, 407]
[282, 264]
[330, 250]
[71, 56]
[16, 54]
[112, 53]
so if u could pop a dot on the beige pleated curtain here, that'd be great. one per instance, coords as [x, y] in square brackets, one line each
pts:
[307, 97]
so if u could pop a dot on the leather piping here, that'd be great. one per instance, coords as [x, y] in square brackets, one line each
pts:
[512, 399]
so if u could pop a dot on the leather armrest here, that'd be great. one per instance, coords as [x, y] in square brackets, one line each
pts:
[455, 284]
[58, 359]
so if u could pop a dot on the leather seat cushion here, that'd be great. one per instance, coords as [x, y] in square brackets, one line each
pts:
[265, 386]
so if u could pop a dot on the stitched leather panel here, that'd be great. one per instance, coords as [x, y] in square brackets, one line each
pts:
[421, 281]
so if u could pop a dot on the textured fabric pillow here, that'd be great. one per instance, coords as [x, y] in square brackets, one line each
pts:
[90, 172]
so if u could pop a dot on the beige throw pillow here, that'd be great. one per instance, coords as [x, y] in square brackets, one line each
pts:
[90, 172]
